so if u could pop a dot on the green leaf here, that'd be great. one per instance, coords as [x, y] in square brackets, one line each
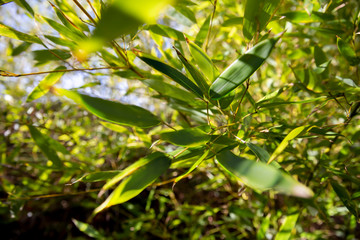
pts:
[20, 49]
[242, 69]
[137, 181]
[261, 153]
[193, 167]
[203, 61]
[14, 34]
[44, 56]
[287, 227]
[187, 137]
[111, 111]
[174, 74]
[63, 31]
[88, 229]
[231, 22]
[293, 134]
[201, 36]
[26, 6]
[185, 11]
[44, 85]
[98, 176]
[256, 16]
[170, 90]
[261, 176]
[124, 17]
[348, 52]
[45, 146]
[166, 31]
[114, 127]
[131, 169]
[196, 75]
[345, 197]
[304, 17]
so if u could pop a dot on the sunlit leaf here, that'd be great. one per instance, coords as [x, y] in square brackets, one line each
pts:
[166, 31]
[257, 14]
[193, 167]
[304, 17]
[111, 111]
[99, 176]
[137, 181]
[287, 227]
[203, 61]
[285, 142]
[12, 33]
[261, 176]
[201, 36]
[88, 229]
[242, 69]
[44, 85]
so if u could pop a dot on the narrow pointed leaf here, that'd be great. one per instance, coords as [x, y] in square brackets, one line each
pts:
[170, 90]
[45, 146]
[345, 197]
[293, 134]
[193, 167]
[44, 85]
[196, 75]
[287, 227]
[174, 74]
[261, 176]
[188, 137]
[136, 182]
[242, 69]
[348, 52]
[98, 176]
[203, 61]
[256, 16]
[201, 36]
[166, 31]
[111, 111]
[14, 34]
[129, 170]
[88, 229]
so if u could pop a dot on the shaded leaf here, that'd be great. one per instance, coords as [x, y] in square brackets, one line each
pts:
[261, 176]
[166, 31]
[188, 137]
[172, 73]
[345, 197]
[304, 17]
[99, 176]
[201, 36]
[193, 167]
[43, 56]
[45, 146]
[348, 52]
[111, 111]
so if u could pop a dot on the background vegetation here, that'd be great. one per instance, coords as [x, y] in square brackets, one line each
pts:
[180, 119]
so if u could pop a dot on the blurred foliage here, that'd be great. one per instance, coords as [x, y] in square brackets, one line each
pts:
[189, 103]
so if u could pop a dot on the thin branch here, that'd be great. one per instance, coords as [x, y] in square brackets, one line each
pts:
[9, 74]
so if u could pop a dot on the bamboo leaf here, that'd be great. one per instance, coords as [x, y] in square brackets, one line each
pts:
[111, 111]
[45, 146]
[174, 74]
[261, 176]
[196, 75]
[256, 16]
[293, 134]
[348, 52]
[98, 176]
[304, 17]
[88, 229]
[242, 69]
[137, 181]
[44, 85]
[203, 61]
[14, 34]
[193, 167]
[345, 197]
[287, 227]
[170, 90]
[166, 31]
[187, 137]
[201, 36]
